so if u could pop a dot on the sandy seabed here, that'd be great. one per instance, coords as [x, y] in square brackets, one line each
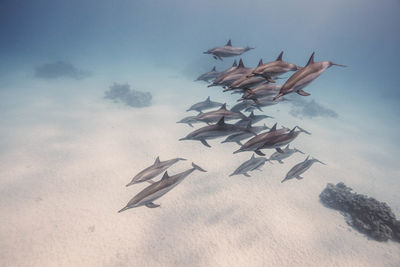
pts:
[66, 155]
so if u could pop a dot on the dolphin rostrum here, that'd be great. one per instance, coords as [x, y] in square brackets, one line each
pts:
[250, 165]
[287, 152]
[304, 77]
[227, 51]
[211, 75]
[273, 69]
[215, 115]
[214, 131]
[206, 104]
[300, 168]
[158, 189]
[153, 170]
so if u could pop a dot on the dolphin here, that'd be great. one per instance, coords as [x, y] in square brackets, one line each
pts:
[215, 115]
[252, 118]
[247, 105]
[158, 189]
[153, 170]
[208, 75]
[258, 141]
[247, 82]
[260, 91]
[264, 102]
[287, 152]
[226, 72]
[214, 131]
[304, 77]
[190, 120]
[274, 69]
[250, 165]
[237, 137]
[277, 141]
[206, 104]
[227, 51]
[232, 76]
[300, 168]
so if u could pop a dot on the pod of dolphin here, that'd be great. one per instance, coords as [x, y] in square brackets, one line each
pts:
[259, 90]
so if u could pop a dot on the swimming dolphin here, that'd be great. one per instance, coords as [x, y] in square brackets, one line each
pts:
[304, 77]
[273, 69]
[232, 76]
[247, 105]
[300, 168]
[208, 75]
[277, 141]
[226, 72]
[154, 170]
[214, 131]
[237, 137]
[258, 141]
[247, 82]
[190, 120]
[206, 104]
[227, 51]
[158, 189]
[287, 152]
[252, 118]
[263, 102]
[215, 115]
[260, 91]
[250, 165]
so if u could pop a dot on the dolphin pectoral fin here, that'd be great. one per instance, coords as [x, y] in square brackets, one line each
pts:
[279, 150]
[191, 125]
[280, 161]
[151, 205]
[150, 181]
[220, 58]
[214, 57]
[246, 174]
[301, 92]
[204, 142]
[298, 177]
[258, 152]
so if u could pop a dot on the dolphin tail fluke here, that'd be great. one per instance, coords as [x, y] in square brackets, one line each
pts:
[197, 167]
[302, 130]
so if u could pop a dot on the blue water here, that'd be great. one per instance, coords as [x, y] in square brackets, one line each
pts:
[157, 46]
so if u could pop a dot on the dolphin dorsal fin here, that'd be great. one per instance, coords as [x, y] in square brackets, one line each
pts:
[229, 43]
[221, 121]
[311, 60]
[213, 69]
[241, 65]
[165, 176]
[157, 160]
[251, 114]
[223, 106]
[279, 58]
[248, 126]
[253, 157]
[208, 99]
[273, 128]
[307, 158]
[234, 63]
[260, 63]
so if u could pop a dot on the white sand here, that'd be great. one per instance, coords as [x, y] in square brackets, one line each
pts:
[66, 155]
